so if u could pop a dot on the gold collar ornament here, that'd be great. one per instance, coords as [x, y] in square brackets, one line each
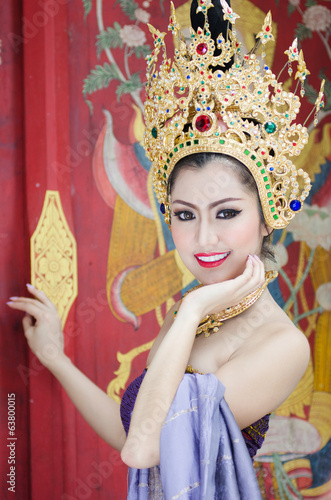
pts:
[212, 322]
[194, 104]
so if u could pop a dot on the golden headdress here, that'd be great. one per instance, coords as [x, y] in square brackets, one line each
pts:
[226, 103]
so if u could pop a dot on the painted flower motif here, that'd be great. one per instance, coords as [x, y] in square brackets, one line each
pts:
[312, 225]
[132, 35]
[317, 17]
[142, 15]
[53, 266]
[323, 296]
[281, 257]
[295, 3]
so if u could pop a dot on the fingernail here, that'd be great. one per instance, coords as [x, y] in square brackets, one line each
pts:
[29, 285]
[13, 298]
[9, 303]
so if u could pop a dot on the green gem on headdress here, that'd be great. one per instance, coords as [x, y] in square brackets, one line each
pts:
[154, 132]
[270, 127]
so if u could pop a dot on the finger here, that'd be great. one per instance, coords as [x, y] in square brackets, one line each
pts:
[261, 270]
[251, 275]
[250, 269]
[27, 300]
[258, 272]
[40, 295]
[27, 322]
[32, 308]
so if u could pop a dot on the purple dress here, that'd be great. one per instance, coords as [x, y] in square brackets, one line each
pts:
[203, 453]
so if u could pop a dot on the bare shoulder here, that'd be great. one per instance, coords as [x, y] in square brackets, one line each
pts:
[168, 320]
[284, 340]
[265, 371]
[277, 338]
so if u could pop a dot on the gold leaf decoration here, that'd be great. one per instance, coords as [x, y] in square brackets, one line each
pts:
[300, 397]
[123, 373]
[317, 492]
[320, 415]
[54, 256]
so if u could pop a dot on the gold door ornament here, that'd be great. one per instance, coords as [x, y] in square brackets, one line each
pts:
[54, 256]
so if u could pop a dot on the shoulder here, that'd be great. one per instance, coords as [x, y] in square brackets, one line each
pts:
[277, 338]
[280, 351]
[264, 372]
[168, 320]
[283, 340]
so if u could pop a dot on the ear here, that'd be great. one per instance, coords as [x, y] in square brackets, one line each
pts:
[266, 230]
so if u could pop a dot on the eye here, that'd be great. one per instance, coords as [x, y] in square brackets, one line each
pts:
[227, 213]
[184, 215]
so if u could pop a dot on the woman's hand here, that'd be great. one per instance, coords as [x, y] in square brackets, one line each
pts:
[214, 298]
[44, 335]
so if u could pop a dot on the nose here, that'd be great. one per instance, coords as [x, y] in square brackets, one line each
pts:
[207, 235]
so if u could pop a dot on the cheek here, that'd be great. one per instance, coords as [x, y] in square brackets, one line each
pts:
[245, 234]
[179, 236]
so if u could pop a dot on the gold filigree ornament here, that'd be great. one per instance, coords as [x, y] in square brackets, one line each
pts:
[212, 322]
[54, 256]
[194, 105]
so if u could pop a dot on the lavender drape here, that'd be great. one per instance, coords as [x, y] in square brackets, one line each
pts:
[203, 455]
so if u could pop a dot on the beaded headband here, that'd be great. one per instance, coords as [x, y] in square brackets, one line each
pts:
[194, 104]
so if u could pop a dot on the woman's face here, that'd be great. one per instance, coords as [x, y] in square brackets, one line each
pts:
[215, 222]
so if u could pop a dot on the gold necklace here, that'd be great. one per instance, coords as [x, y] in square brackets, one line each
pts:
[212, 322]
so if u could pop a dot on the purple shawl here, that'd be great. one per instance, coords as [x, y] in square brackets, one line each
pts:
[203, 455]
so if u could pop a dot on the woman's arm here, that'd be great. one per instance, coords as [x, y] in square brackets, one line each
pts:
[99, 410]
[142, 447]
[45, 339]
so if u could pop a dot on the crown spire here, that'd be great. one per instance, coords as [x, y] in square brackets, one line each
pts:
[210, 98]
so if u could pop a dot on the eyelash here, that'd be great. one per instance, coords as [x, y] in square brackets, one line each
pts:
[224, 211]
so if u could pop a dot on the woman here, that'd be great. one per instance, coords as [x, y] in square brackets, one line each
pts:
[224, 183]
[258, 355]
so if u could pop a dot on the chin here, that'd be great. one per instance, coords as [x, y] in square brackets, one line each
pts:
[210, 280]
[212, 276]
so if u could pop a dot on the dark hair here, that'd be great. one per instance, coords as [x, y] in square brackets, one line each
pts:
[199, 160]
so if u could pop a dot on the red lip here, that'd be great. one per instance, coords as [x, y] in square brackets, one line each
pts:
[216, 263]
[209, 254]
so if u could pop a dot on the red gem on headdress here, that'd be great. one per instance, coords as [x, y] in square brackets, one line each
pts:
[202, 49]
[267, 28]
[203, 123]
[294, 143]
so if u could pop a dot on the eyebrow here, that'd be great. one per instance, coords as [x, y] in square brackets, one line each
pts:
[211, 205]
